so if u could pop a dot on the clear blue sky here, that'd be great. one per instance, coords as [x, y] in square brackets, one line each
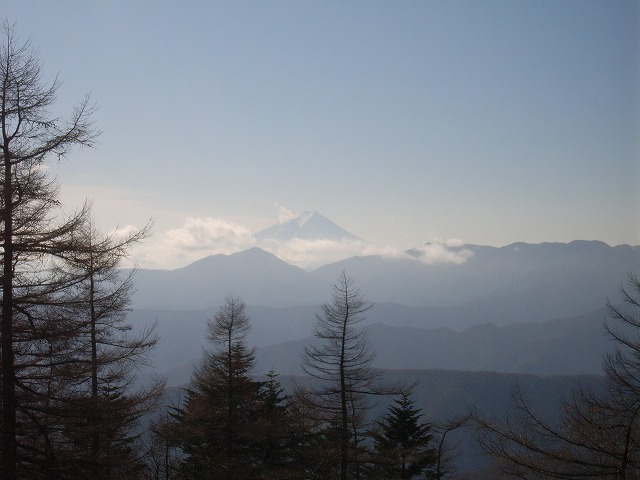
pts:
[402, 121]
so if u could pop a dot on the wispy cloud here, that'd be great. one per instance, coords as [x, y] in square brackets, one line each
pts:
[284, 215]
[195, 239]
[199, 237]
[205, 234]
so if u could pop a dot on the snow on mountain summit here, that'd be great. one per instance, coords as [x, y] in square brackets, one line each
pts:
[305, 217]
[305, 226]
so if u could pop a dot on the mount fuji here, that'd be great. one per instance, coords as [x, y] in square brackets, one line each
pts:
[309, 240]
[305, 226]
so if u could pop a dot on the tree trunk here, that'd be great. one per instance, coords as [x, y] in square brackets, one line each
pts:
[344, 429]
[9, 446]
[230, 413]
[95, 430]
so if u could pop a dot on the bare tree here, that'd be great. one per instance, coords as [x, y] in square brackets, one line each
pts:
[598, 434]
[29, 232]
[445, 452]
[96, 304]
[341, 362]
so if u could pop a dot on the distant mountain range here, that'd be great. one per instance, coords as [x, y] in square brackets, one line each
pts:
[522, 308]
[554, 347]
[574, 345]
[517, 283]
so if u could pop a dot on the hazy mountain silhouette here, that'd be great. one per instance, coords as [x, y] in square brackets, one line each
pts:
[564, 346]
[255, 275]
[423, 312]
[555, 347]
[519, 282]
[305, 226]
[516, 283]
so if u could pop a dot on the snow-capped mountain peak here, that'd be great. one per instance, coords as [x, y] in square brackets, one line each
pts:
[308, 225]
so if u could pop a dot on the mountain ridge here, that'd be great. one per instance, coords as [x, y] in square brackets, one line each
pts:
[574, 345]
[520, 282]
[563, 346]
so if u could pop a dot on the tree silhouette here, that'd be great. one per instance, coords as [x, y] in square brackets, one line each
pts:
[402, 443]
[231, 425]
[30, 235]
[341, 363]
[598, 435]
[104, 407]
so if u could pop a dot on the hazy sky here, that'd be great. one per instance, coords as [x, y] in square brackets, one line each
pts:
[402, 121]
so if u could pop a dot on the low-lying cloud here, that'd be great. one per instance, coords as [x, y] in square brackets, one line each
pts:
[205, 234]
[201, 237]
[309, 254]
[195, 239]
[449, 251]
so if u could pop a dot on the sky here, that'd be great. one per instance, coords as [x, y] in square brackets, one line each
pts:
[404, 122]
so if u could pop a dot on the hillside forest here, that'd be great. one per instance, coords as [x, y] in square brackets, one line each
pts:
[74, 406]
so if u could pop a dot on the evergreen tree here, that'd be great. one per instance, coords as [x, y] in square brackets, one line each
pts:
[231, 426]
[313, 441]
[274, 434]
[402, 443]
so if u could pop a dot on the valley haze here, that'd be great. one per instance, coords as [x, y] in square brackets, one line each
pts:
[521, 308]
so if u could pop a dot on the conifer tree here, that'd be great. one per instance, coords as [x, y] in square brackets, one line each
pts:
[213, 428]
[341, 363]
[104, 407]
[230, 425]
[274, 435]
[32, 342]
[402, 443]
